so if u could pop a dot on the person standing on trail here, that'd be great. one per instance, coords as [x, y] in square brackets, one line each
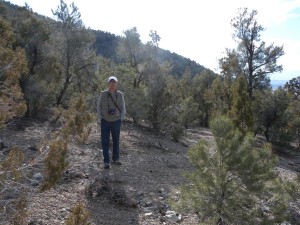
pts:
[111, 112]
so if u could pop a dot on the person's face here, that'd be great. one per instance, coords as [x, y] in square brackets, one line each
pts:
[112, 85]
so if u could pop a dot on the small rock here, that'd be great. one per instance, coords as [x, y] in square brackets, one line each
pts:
[33, 148]
[2, 144]
[148, 204]
[38, 176]
[171, 216]
[285, 223]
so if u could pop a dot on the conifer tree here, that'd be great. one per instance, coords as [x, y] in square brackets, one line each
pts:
[219, 97]
[188, 112]
[72, 44]
[252, 58]
[233, 181]
[273, 116]
[12, 65]
[293, 87]
[294, 108]
[241, 112]
[32, 35]
[201, 85]
[129, 51]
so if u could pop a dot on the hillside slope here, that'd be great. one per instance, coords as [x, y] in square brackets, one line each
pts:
[135, 193]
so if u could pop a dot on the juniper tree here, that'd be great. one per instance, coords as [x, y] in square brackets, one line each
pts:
[32, 35]
[12, 65]
[241, 112]
[202, 83]
[233, 181]
[130, 52]
[293, 87]
[219, 97]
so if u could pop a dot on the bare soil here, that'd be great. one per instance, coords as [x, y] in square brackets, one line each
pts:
[134, 193]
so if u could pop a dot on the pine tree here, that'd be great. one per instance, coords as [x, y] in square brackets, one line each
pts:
[73, 48]
[253, 58]
[233, 182]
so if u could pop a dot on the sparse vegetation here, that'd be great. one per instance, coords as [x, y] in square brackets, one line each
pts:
[62, 66]
[76, 122]
[79, 216]
[12, 65]
[55, 163]
[232, 180]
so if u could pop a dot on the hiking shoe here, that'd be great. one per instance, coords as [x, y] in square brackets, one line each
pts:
[106, 166]
[116, 162]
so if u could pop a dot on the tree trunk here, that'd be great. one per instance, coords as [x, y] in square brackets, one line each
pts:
[62, 92]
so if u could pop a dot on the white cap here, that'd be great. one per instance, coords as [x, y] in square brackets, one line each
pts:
[112, 78]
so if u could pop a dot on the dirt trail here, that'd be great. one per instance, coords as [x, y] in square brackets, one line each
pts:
[135, 193]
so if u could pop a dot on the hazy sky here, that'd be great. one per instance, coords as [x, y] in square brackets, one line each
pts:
[196, 29]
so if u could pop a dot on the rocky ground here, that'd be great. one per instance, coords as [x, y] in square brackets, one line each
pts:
[135, 193]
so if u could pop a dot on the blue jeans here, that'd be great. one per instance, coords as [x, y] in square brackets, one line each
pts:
[112, 128]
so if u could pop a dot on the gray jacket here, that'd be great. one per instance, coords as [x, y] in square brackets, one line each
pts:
[107, 110]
